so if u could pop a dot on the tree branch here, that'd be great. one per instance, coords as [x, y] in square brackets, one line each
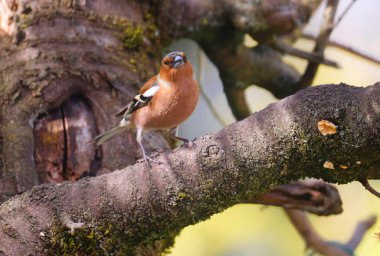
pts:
[314, 196]
[324, 34]
[368, 186]
[138, 205]
[344, 13]
[318, 244]
[346, 48]
[361, 228]
[312, 57]
[240, 66]
[107, 50]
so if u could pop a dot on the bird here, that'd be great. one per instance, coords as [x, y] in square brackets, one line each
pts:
[163, 102]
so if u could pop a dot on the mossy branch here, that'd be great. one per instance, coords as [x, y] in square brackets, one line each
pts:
[140, 205]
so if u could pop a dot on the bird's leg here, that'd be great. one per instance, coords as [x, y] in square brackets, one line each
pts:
[174, 135]
[139, 140]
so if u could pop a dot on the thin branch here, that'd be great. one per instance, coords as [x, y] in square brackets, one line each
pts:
[314, 241]
[344, 13]
[324, 34]
[360, 230]
[346, 48]
[310, 236]
[367, 186]
[226, 62]
[310, 56]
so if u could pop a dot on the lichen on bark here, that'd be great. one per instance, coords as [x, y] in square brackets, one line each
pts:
[102, 53]
[279, 144]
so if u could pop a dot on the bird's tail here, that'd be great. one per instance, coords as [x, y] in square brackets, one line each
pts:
[101, 138]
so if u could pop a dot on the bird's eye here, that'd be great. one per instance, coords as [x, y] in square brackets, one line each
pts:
[166, 62]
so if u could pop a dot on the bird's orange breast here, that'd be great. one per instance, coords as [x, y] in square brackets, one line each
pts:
[170, 106]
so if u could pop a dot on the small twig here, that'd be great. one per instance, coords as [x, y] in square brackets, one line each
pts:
[347, 48]
[310, 56]
[314, 241]
[310, 236]
[367, 186]
[360, 230]
[344, 13]
[324, 34]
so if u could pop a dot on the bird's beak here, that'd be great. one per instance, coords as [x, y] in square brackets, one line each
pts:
[178, 61]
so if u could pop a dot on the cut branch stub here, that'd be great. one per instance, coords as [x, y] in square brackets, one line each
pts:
[312, 195]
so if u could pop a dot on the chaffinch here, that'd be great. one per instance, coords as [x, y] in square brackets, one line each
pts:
[164, 102]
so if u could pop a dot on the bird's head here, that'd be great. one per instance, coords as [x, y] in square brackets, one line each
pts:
[175, 66]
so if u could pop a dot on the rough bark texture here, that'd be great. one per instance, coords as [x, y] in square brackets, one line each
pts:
[71, 64]
[136, 205]
[101, 52]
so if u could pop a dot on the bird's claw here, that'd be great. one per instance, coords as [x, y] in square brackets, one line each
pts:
[185, 141]
[188, 144]
[150, 160]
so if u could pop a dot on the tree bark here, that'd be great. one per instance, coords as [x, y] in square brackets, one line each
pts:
[138, 205]
[65, 65]
[101, 52]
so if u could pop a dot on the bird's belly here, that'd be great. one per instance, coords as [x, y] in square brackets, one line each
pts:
[169, 112]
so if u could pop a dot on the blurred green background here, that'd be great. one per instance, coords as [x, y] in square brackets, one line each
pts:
[245, 230]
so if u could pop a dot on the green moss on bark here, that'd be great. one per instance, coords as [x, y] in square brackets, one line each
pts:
[93, 240]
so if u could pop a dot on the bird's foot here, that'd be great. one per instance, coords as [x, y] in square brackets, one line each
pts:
[185, 141]
[150, 160]
[173, 133]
